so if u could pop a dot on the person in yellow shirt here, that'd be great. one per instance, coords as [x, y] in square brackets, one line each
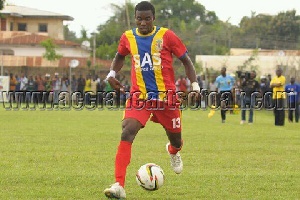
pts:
[87, 89]
[278, 84]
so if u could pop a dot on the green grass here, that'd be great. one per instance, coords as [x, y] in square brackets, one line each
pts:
[70, 155]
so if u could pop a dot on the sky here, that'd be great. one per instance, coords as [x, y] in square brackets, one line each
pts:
[90, 13]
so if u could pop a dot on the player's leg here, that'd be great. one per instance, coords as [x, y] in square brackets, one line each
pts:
[173, 148]
[133, 121]
[170, 119]
[130, 128]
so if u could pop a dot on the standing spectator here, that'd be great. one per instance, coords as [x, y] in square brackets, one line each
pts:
[12, 86]
[266, 91]
[204, 84]
[40, 82]
[248, 87]
[87, 89]
[12, 82]
[181, 84]
[65, 83]
[23, 82]
[225, 83]
[18, 85]
[188, 84]
[30, 88]
[81, 84]
[23, 86]
[277, 84]
[292, 90]
[73, 84]
[94, 83]
[212, 86]
[56, 85]
[48, 88]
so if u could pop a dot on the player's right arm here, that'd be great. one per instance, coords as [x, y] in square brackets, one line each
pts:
[117, 63]
[116, 66]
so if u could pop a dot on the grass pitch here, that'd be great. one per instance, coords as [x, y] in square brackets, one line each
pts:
[70, 155]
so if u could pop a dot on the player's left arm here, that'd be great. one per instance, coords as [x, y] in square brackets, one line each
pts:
[190, 71]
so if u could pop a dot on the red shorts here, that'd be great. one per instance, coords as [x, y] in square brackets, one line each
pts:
[169, 116]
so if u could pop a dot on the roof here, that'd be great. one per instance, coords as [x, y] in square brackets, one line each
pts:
[21, 11]
[34, 39]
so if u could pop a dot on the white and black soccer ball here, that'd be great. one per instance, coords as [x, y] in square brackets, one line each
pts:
[150, 177]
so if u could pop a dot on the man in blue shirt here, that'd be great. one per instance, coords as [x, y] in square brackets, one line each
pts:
[224, 84]
[293, 90]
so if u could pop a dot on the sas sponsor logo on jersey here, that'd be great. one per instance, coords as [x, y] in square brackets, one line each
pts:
[147, 62]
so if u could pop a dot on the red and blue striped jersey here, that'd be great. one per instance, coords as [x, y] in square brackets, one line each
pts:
[152, 58]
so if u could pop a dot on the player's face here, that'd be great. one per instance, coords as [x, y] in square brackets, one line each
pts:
[144, 21]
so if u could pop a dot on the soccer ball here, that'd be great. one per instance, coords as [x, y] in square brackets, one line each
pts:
[150, 177]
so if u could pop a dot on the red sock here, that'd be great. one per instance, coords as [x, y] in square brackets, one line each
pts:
[174, 150]
[122, 161]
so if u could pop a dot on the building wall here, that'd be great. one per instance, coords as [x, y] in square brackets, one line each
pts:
[266, 64]
[39, 51]
[55, 26]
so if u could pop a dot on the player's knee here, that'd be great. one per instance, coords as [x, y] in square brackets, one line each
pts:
[129, 132]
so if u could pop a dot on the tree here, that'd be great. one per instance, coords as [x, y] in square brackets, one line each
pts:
[69, 35]
[2, 4]
[50, 53]
[270, 32]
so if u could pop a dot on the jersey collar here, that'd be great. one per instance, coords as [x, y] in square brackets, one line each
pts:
[149, 34]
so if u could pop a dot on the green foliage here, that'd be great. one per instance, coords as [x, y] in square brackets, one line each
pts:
[89, 63]
[248, 64]
[270, 32]
[50, 48]
[107, 51]
[202, 31]
[69, 35]
[2, 4]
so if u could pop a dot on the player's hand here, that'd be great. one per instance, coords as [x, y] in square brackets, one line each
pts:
[115, 84]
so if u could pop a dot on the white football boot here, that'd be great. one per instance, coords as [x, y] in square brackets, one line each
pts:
[176, 161]
[116, 191]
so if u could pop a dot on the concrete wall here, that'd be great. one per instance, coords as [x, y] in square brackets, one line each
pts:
[55, 26]
[266, 64]
[39, 51]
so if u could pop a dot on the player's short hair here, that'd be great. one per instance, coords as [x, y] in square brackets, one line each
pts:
[144, 6]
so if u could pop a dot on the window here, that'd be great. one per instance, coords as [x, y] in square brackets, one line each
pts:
[11, 28]
[22, 27]
[43, 28]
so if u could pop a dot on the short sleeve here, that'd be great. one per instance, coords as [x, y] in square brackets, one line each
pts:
[123, 48]
[175, 44]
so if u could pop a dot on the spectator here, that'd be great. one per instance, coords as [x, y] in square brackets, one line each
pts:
[248, 86]
[277, 84]
[81, 84]
[292, 90]
[181, 84]
[56, 85]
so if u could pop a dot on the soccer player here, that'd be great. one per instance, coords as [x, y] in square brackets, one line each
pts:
[152, 78]
[224, 83]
